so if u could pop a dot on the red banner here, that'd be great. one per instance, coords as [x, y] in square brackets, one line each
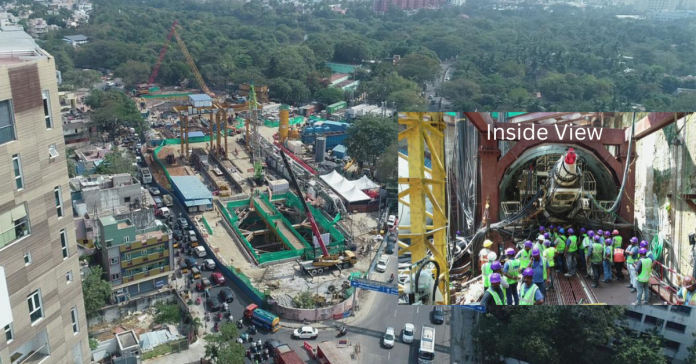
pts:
[337, 316]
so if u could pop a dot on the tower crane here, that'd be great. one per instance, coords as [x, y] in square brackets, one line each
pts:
[255, 143]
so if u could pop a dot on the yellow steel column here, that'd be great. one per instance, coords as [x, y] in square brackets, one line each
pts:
[421, 130]
[224, 123]
[212, 135]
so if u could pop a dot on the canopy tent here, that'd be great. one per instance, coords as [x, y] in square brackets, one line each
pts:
[344, 185]
[365, 183]
[332, 178]
[354, 195]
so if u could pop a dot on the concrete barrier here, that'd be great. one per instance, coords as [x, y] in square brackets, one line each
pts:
[335, 312]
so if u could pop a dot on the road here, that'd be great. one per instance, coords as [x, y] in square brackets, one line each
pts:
[440, 103]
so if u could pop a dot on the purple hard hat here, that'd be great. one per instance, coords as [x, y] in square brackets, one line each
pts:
[644, 244]
[562, 231]
[495, 278]
[546, 235]
[590, 233]
[571, 231]
[528, 244]
[510, 251]
[528, 272]
[541, 228]
[551, 226]
[496, 265]
[634, 240]
[643, 251]
[600, 231]
[535, 252]
[459, 232]
[547, 242]
[607, 241]
[607, 233]
[596, 238]
[582, 230]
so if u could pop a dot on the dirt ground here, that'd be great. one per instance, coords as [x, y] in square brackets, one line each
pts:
[139, 321]
[177, 169]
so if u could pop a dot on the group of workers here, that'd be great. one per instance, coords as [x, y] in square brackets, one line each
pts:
[567, 252]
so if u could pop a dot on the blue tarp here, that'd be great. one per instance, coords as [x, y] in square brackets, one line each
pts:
[339, 151]
[193, 134]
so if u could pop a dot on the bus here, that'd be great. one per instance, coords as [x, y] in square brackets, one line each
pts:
[426, 353]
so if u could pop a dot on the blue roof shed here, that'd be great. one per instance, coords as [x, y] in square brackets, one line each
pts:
[192, 192]
[339, 151]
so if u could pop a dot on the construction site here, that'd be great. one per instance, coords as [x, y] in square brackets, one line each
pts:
[268, 185]
[494, 183]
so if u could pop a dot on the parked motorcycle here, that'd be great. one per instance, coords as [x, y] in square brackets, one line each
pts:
[240, 324]
[342, 332]
[252, 330]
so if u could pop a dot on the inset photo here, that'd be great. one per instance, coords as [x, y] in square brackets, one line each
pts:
[566, 208]
[424, 247]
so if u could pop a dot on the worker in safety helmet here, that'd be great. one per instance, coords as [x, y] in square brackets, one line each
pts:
[632, 257]
[529, 292]
[608, 260]
[539, 243]
[525, 255]
[486, 272]
[511, 272]
[649, 255]
[550, 254]
[687, 293]
[643, 269]
[594, 256]
[495, 295]
[619, 256]
[581, 249]
[541, 271]
[483, 254]
[561, 240]
[571, 252]
[586, 242]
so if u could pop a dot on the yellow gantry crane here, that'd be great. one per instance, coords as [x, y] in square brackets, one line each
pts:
[190, 62]
[420, 130]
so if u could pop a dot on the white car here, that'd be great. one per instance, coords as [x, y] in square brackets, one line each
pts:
[391, 221]
[407, 334]
[388, 339]
[154, 191]
[382, 264]
[200, 251]
[305, 332]
[209, 264]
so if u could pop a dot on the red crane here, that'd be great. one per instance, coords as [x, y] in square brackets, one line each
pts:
[163, 51]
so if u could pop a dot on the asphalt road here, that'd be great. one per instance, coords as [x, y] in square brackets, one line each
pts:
[441, 104]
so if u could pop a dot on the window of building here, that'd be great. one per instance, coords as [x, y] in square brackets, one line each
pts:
[68, 276]
[684, 310]
[114, 261]
[650, 320]
[633, 315]
[126, 239]
[126, 199]
[27, 258]
[47, 109]
[669, 344]
[675, 327]
[115, 276]
[59, 201]
[17, 165]
[73, 316]
[35, 309]
[52, 151]
[7, 128]
[9, 333]
[64, 244]
[14, 224]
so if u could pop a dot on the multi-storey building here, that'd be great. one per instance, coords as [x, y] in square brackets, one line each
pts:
[677, 324]
[658, 5]
[136, 262]
[45, 321]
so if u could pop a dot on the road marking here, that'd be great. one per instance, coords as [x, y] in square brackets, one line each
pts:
[395, 313]
[417, 309]
[389, 356]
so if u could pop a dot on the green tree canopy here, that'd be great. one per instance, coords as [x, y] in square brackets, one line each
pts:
[419, 68]
[133, 72]
[329, 95]
[407, 101]
[96, 291]
[366, 137]
[168, 313]
[115, 163]
[222, 347]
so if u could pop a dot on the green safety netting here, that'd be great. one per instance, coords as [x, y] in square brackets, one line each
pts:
[207, 226]
[276, 123]
[240, 123]
[166, 142]
[247, 282]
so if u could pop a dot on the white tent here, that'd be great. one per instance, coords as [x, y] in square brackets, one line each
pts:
[365, 183]
[354, 195]
[332, 178]
[343, 186]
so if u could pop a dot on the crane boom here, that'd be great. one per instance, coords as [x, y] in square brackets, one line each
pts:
[312, 222]
[163, 51]
[191, 63]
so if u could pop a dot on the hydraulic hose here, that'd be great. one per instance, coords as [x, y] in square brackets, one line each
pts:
[616, 204]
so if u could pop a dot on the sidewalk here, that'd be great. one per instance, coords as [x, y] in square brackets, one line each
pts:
[463, 346]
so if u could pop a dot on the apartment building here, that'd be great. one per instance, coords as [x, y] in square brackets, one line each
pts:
[136, 262]
[43, 315]
[677, 324]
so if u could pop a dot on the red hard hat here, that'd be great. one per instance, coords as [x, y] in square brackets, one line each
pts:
[615, 232]
[688, 282]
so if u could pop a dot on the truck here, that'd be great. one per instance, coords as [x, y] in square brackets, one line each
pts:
[285, 355]
[328, 353]
[262, 318]
[146, 175]
[426, 353]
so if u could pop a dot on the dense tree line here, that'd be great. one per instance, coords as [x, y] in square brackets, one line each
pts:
[573, 59]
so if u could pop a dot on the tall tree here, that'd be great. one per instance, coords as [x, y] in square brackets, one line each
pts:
[329, 95]
[387, 165]
[419, 68]
[222, 347]
[133, 72]
[96, 291]
[366, 137]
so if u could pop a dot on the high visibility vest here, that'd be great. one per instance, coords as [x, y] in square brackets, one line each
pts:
[549, 254]
[562, 245]
[542, 261]
[513, 270]
[527, 297]
[690, 302]
[597, 253]
[629, 255]
[524, 257]
[610, 256]
[573, 244]
[646, 269]
[619, 255]
[618, 242]
[496, 298]
[585, 241]
[487, 271]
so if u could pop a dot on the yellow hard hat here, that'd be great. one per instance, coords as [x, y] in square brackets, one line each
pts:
[487, 244]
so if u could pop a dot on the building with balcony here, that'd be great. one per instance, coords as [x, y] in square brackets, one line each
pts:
[41, 301]
[677, 324]
[135, 261]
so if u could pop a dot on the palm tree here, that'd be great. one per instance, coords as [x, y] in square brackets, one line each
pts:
[196, 325]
